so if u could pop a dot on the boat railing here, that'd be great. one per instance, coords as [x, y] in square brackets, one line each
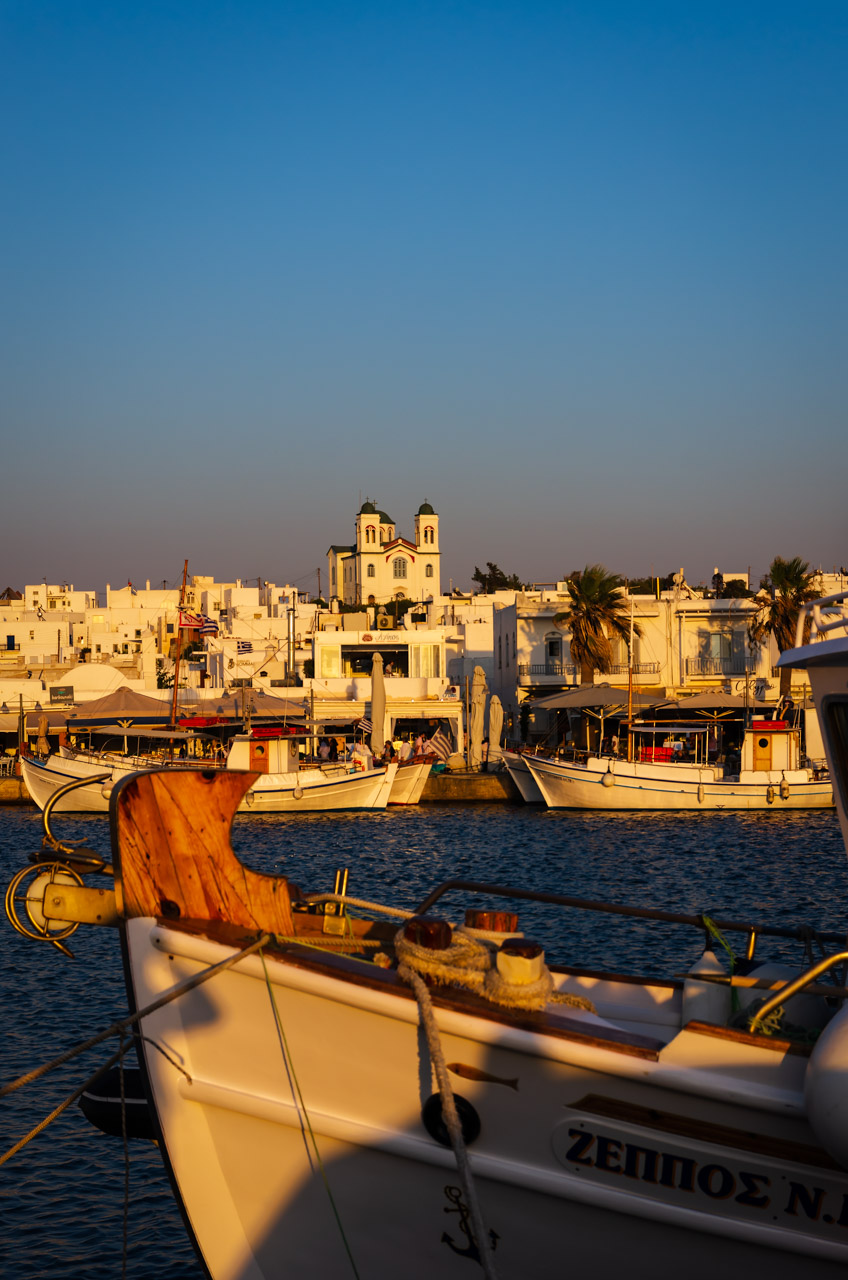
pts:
[824, 617]
[751, 929]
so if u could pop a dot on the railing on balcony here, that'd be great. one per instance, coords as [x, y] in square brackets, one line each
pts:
[719, 666]
[560, 669]
[639, 669]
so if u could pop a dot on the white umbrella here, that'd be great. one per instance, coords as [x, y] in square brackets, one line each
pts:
[478, 715]
[496, 717]
[378, 705]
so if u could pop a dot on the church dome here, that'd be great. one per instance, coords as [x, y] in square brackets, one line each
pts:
[426, 510]
[384, 519]
[368, 509]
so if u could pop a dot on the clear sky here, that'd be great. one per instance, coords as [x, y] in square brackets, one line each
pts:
[574, 273]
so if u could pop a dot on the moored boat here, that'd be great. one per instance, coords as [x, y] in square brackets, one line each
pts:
[769, 773]
[303, 1069]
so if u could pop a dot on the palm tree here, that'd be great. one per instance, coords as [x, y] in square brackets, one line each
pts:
[790, 583]
[598, 610]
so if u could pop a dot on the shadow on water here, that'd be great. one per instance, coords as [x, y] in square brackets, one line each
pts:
[63, 1196]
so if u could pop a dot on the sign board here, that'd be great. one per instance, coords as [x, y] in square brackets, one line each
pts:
[62, 693]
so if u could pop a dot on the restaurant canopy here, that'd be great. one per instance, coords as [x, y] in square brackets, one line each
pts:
[585, 697]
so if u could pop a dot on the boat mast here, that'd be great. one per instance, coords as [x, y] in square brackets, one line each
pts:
[179, 648]
[630, 687]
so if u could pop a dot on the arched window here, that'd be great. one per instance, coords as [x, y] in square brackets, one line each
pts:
[371, 600]
[428, 572]
[370, 534]
[428, 534]
[398, 567]
[371, 571]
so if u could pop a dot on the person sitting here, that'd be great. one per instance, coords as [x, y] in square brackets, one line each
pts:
[334, 750]
[323, 750]
[388, 752]
[405, 752]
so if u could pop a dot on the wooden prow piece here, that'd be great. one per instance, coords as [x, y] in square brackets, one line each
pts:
[173, 857]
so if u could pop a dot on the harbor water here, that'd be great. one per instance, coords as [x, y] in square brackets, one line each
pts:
[63, 1195]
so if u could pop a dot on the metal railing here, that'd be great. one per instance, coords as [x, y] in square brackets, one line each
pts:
[639, 669]
[547, 669]
[719, 666]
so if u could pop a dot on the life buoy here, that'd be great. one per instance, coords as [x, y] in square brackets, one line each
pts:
[608, 780]
[298, 793]
[770, 795]
[784, 789]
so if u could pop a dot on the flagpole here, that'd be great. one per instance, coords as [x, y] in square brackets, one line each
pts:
[179, 647]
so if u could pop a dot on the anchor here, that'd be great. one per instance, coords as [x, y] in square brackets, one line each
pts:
[454, 1194]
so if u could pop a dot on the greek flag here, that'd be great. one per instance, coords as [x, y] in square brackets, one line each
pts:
[244, 646]
[440, 744]
[208, 626]
[365, 725]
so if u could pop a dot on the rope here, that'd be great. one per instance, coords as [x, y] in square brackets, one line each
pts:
[450, 1116]
[125, 1023]
[361, 903]
[465, 963]
[63, 1106]
[289, 1064]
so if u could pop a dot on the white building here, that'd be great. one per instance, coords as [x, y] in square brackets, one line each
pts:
[381, 566]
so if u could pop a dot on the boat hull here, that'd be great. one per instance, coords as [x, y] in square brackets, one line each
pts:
[618, 784]
[320, 790]
[516, 767]
[584, 1153]
[409, 783]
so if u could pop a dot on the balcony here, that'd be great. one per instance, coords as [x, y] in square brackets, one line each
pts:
[639, 669]
[717, 667]
[552, 673]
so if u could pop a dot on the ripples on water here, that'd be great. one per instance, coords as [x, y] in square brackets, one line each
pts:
[63, 1194]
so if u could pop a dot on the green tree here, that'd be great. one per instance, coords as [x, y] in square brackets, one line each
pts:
[495, 579]
[598, 611]
[789, 585]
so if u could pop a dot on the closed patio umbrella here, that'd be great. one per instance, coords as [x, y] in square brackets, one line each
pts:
[378, 705]
[496, 717]
[477, 720]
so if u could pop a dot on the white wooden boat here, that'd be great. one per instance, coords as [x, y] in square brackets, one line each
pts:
[310, 1063]
[515, 763]
[769, 775]
[410, 781]
[283, 785]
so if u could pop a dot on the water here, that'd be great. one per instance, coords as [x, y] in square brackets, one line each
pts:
[63, 1194]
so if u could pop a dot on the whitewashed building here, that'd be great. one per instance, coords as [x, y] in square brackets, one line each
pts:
[381, 566]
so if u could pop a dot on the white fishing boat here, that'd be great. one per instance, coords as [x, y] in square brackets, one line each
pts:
[769, 773]
[285, 784]
[301, 1067]
[43, 777]
[515, 763]
[410, 781]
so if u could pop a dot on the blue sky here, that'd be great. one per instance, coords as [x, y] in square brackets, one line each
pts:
[573, 273]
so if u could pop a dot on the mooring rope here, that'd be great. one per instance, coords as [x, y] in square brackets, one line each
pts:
[450, 1116]
[290, 1071]
[63, 1106]
[125, 1023]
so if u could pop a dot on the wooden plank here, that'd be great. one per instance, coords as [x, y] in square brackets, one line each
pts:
[173, 856]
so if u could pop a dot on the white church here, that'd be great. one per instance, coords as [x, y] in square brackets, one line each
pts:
[381, 566]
